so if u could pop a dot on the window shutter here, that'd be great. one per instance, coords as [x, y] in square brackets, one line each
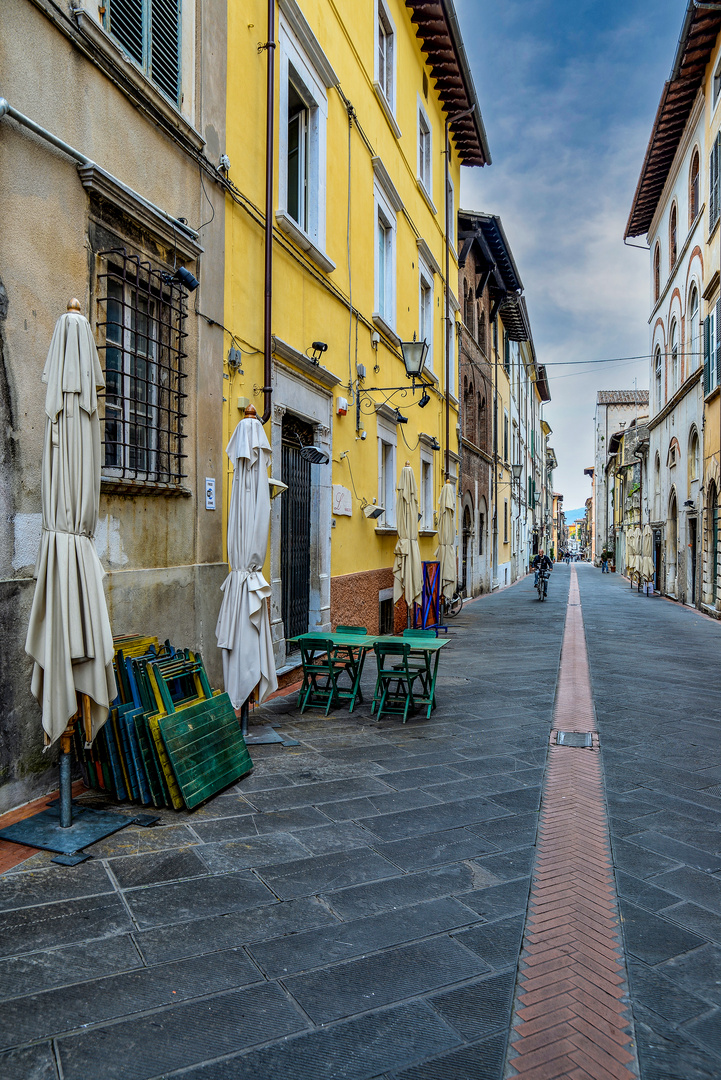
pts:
[165, 45]
[713, 168]
[716, 370]
[706, 355]
[125, 22]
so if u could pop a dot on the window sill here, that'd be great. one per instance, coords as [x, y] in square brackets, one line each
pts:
[301, 238]
[380, 323]
[152, 99]
[426, 196]
[386, 530]
[118, 485]
[387, 111]
[426, 532]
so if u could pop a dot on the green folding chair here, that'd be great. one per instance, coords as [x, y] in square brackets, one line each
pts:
[322, 669]
[355, 657]
[420, 663]
[393, 667]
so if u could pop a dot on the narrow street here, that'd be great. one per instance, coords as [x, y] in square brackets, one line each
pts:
[357, 906]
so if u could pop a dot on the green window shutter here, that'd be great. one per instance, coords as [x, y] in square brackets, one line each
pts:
[164, 60]
[716, 369]
[706, 355]
[125, 23]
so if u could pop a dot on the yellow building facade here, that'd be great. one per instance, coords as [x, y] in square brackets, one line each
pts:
[711, 567]
[359, 253]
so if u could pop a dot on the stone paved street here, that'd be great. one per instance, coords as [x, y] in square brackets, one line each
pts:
[355, 908]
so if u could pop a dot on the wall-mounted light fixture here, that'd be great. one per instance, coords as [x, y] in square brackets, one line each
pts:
[414, 357]
[183, 277]
[413, 354]
[318, 347]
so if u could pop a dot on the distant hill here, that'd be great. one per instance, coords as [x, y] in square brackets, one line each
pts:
[574, 515]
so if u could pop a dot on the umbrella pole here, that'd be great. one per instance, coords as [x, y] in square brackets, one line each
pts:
[244, 710]
[66, 796]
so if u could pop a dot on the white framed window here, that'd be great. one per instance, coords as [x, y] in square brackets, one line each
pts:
[385, 259]
[425, 309]
[695, 332]
[387, 476]
[303, 115]
[297, 156]
[426, 507]
[425, 150]
[674, 357]
[385, 54]
[658, 376]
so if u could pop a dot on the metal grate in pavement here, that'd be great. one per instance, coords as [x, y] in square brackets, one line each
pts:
[574, 738]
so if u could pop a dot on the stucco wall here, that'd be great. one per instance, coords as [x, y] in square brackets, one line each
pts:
[163, 554]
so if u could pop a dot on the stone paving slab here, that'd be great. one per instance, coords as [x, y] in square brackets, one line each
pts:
[356, 882]
[657, 691]
[387, 868]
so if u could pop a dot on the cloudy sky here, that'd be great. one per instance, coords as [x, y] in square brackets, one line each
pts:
[568, 90]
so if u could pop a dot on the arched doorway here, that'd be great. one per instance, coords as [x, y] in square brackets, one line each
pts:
[671, 545]
[466, 549]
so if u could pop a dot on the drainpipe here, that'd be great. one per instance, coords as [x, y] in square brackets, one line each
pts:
[269, 136]
[448, 309]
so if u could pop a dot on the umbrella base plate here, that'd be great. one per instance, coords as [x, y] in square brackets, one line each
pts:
[264, 735]
[43, 830]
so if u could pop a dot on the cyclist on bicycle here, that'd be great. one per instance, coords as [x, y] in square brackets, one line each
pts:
[541, 562]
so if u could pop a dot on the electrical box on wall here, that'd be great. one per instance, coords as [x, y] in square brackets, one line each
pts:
[342, 406]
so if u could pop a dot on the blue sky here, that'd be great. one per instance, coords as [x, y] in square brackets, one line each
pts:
[568, 93]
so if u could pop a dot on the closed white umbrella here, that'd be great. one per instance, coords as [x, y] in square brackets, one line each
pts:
[446, 550]
[69, 635]
[407, 574]
[243, 628]
[646, 557]
[630, 551]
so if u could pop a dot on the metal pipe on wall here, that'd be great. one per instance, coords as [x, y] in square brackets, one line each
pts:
[269, 147]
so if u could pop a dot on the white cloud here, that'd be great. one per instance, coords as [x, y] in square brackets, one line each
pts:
[568, 103]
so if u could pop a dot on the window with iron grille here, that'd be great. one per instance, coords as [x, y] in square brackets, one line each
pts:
[141, 315]
[149, 31]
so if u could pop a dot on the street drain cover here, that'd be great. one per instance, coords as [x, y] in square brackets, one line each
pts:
[574, 738]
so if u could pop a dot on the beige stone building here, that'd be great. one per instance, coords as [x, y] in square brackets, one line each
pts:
[113, 189]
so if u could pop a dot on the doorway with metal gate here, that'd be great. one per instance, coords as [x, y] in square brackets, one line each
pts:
[693, 558]
[466, 550]
[295, 523]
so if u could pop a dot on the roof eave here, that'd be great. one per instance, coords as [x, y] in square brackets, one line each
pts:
[469, 133]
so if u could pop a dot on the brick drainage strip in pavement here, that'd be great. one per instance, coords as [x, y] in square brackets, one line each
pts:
[571, 1015]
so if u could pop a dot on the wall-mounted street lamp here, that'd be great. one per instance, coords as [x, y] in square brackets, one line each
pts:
[414, 355]
[517, 471]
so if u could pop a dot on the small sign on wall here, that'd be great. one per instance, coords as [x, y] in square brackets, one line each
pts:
[210, 493]
[342, 502]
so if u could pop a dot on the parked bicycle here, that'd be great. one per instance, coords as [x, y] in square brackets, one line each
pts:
[451, 608]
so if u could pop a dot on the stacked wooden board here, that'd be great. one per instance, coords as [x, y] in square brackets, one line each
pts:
[169, 739]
